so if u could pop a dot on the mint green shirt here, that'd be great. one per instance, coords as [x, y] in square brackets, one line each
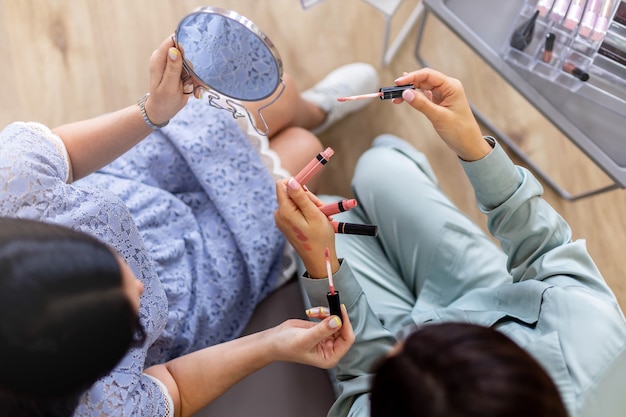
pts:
[430, 264]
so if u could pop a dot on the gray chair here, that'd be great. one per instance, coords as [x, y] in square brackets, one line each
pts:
[281, 389]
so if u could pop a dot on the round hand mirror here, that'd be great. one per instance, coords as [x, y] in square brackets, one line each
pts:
[225, 52]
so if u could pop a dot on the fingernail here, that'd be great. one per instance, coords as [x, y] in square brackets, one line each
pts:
[408, 95]
[173, 53]
[334, 323]
[198, 92]
[188, 88]
[293, 184]
[312, 311]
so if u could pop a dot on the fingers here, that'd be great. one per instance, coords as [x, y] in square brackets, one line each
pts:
[303, 199]
[317, 312]
[445, 104]
[324, 313]
[158, 61]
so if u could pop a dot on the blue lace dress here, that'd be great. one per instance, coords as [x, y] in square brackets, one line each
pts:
[190, 209]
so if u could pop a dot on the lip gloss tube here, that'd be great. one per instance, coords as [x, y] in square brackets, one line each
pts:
[602, 23]
[395, 91]
[544, 6]
[314, 166]
[355, 229]
[558, 10]
[574, 13]
[546, 56]
[575, 71]
[334, 305]
[338, 207]
[589, 17]
[384, 93]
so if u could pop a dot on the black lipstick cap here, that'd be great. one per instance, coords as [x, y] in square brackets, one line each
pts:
[334, 304]
[394, 91]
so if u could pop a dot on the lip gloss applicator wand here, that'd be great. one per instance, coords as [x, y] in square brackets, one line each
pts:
[385, 93]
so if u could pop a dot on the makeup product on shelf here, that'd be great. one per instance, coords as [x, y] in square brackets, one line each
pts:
[523, 35]
[589, 17]
[544, 7]
[613, 53]
[546, 56]
[604, 18]
[394, 91]
[559, 10]
[572, 69]
[574, 13]
[620, 14]
[334, 305]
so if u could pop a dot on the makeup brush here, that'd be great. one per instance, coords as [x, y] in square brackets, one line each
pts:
[523, 35]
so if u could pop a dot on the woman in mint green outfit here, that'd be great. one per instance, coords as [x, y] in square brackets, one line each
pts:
[430, 264]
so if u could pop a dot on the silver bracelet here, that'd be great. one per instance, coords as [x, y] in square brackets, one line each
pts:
[142, 108]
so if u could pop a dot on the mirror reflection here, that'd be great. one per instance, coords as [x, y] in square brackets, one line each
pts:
[226, 52]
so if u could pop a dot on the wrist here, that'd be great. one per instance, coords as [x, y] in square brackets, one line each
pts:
[473, 146]
[142, 108]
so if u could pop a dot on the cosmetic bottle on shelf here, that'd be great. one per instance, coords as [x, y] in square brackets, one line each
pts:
[603, 20]
[574, 43]
[574, 14]
[559, 9]
[589, 17]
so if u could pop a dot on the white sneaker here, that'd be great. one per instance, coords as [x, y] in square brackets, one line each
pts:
[348, 80]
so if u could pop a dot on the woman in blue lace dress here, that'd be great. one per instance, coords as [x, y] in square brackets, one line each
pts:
[189, 208]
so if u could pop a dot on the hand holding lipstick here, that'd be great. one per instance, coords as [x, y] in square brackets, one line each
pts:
[317, 344]
[308, 230]
[448, 110]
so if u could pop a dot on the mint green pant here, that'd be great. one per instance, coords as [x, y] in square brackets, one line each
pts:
[427, 252]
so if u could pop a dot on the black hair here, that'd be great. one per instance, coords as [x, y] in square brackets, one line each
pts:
[462, 370]
[65, 320]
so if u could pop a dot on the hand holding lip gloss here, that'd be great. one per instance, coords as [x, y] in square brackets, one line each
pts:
[313, 168]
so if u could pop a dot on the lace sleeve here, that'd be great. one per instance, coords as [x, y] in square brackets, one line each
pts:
[169, 403]
[45, 132]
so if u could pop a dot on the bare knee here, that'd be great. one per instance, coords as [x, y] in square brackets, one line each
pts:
[296, 147]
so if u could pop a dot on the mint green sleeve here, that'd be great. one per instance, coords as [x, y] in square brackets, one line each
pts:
[373, 341]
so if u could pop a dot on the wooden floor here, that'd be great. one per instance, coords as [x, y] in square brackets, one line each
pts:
[64, 60]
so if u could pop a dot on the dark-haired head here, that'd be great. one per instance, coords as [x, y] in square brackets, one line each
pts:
[462, 370]
[65, 319]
